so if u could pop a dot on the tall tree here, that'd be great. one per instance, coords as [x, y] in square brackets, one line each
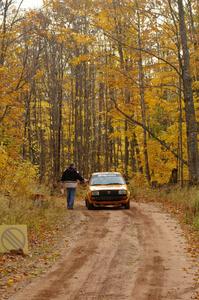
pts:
[192, 143]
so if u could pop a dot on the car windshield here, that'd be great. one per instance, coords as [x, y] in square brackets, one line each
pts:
[104, 179]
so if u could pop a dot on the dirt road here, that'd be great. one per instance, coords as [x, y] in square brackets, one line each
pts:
[137, 254]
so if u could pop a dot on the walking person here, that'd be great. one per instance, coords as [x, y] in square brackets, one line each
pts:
[69, 178]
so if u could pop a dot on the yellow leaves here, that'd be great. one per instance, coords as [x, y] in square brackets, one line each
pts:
[10, 282]
[80, 59]
[19, 50]
[3, 158]
[196, 85]
[3, 70]
[29, 42]
[21, 183]
[103, 20]
[139, 181]
[66, 86]
[82, 39]
[115, 135]
[61, 38]
[161, 162]
[39, 74]
[171, 134]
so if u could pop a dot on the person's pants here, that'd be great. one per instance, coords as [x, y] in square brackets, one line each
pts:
[70, 197]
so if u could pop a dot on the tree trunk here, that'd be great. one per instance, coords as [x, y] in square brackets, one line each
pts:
[192, 146]
[142, 102]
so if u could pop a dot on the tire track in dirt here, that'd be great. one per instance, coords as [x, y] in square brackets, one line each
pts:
[119, 254]
[162, 271]
[150, 274]
[111, 277]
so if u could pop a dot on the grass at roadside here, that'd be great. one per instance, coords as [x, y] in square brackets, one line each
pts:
[36, 216]
[49, 223]
[39, 215]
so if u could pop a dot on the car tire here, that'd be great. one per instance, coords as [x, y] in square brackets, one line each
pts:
[127, 205]
[89, 205]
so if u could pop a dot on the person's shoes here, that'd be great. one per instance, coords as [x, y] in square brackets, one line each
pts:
[70, 207]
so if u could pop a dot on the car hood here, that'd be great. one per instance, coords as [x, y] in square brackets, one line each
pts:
[108, 187]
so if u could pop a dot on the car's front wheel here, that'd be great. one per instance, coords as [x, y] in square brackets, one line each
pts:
[127, 205]
[89, 205]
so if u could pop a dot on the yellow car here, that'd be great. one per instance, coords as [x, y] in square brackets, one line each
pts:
[107, 188]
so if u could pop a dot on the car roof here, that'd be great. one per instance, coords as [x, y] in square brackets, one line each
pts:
[106, 173]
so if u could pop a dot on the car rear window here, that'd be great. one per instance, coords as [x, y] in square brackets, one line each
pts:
[103, 179]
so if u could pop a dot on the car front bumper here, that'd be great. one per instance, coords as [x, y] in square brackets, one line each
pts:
[108, 201]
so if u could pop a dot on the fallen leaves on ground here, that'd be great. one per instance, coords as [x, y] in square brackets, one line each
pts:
[18, 270]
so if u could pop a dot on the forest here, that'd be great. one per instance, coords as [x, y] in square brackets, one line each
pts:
[111, 85]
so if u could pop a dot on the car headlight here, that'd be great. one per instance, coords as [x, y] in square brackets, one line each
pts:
[122, 192]
[95, 193]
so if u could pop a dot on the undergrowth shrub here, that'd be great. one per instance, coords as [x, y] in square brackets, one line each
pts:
[19, 182]
[24, 211]
[18, 177]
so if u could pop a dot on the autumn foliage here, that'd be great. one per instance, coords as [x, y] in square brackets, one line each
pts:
[101, 83]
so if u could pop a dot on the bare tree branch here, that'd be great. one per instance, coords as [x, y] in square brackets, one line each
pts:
[147, 51]
[6, 110]
[132, 121]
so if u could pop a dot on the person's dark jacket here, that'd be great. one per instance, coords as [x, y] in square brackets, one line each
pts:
[71, 174]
